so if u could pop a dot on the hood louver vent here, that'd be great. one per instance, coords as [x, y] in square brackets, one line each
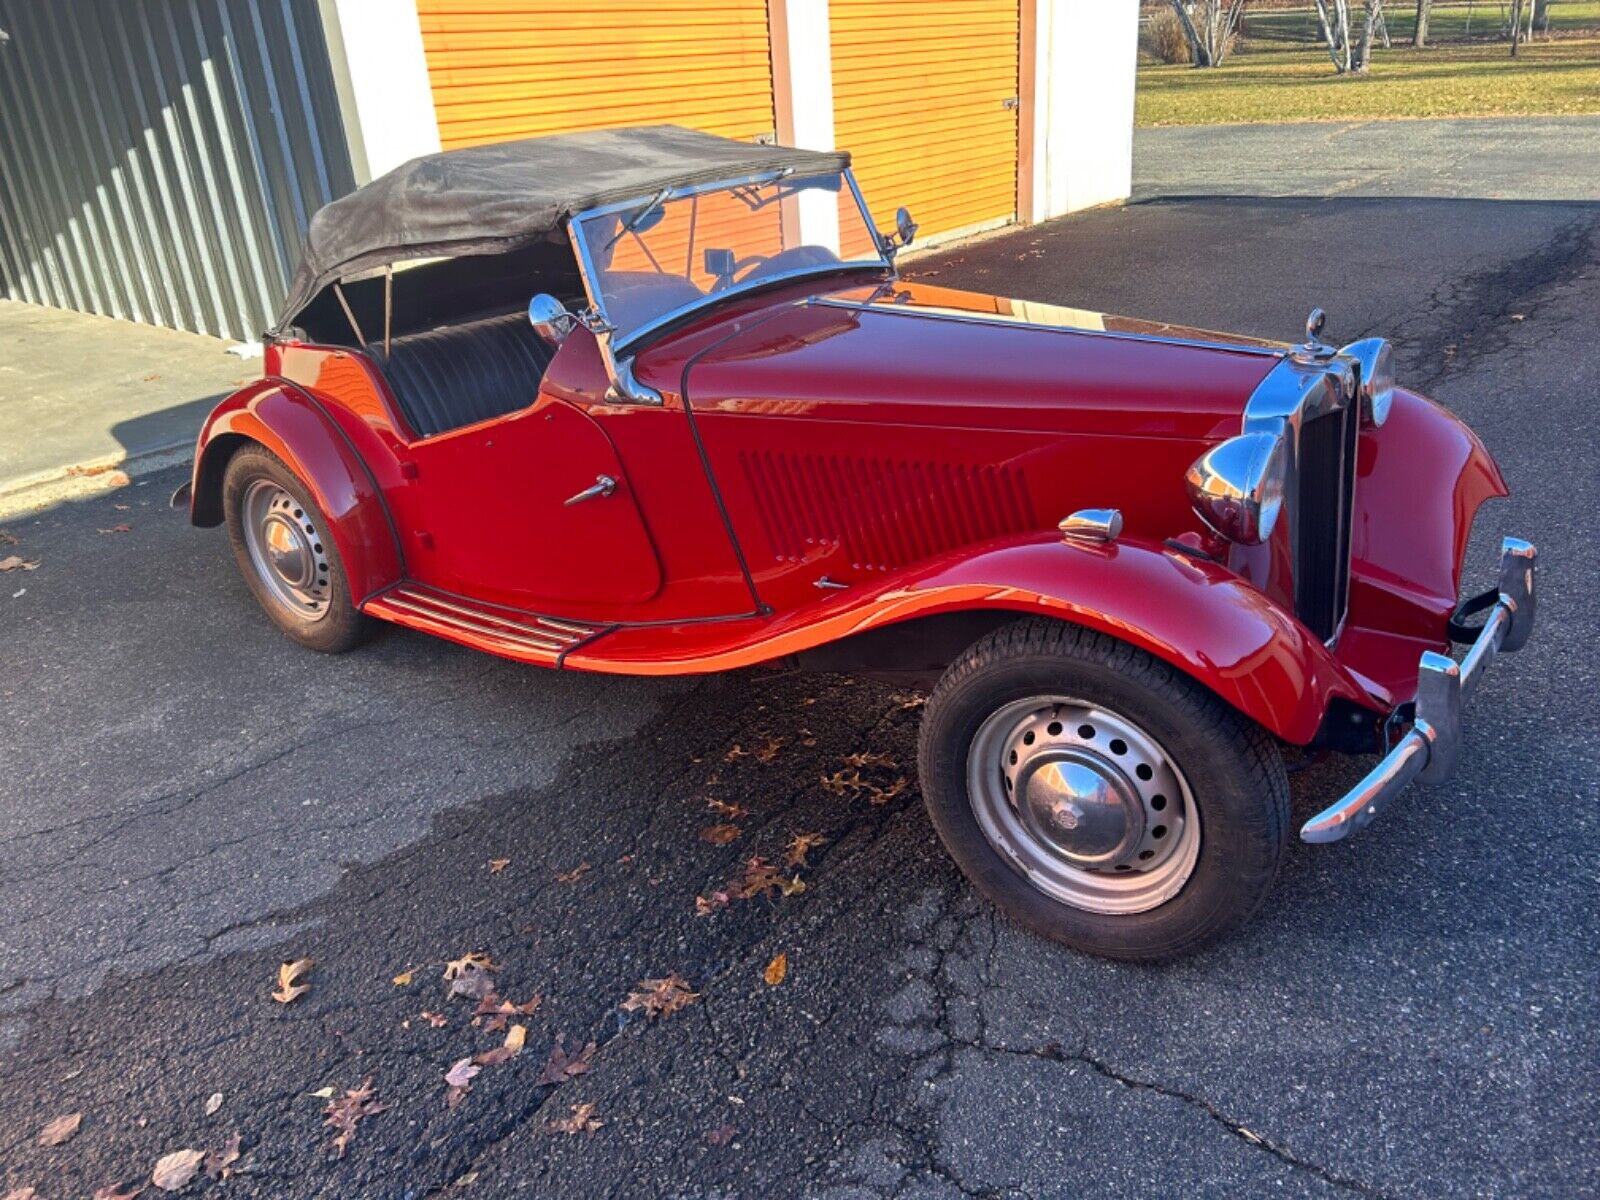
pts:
[881, 512]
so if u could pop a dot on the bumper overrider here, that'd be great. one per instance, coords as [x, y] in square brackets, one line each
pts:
[1429, 749]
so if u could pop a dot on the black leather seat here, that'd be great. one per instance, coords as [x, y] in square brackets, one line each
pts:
[449, 377]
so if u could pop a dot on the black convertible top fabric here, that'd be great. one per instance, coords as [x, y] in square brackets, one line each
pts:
[495, 198]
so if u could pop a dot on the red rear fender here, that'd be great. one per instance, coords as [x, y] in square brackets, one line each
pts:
[294, 427]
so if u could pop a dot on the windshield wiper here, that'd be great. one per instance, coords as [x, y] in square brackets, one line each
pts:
[638, 217]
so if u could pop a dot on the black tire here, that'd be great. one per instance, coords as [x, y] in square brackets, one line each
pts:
[341, 626]
[1231, 764]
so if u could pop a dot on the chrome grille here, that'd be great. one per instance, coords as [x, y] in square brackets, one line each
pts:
[1325, 494]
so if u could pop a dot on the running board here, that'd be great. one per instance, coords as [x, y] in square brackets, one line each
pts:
[523, 636]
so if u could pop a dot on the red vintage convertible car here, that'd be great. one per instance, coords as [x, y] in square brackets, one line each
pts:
[1135, 560]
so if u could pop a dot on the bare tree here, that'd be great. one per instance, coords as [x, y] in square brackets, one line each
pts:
[1419, 36]
[1333, 18]
[1218, 22]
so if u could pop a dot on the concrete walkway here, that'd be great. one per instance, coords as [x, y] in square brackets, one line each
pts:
[78, 389]
[1486, 158]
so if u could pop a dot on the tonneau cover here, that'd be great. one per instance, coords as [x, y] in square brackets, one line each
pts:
[495, 198]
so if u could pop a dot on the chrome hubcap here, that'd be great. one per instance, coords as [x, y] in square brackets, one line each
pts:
[1084, 803]
[286, 549]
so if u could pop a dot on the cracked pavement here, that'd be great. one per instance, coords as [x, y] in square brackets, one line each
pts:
[187, 800]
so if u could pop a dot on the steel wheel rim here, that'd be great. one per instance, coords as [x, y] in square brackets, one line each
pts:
[1084, 803]
[287, 550]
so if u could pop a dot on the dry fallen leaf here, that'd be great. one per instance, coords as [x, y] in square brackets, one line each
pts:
[704, 906]
[515, 1037]
[288, 972]
[118, 529]
[736, 753]
[882, 795]
[345, 1113]
[458, 1079]
[841, 782]
[582, 1120]
[15, 562]
[403, 979]
[761, 878]
[728, 808]
[219, 1163]
[114, 1191]
[21, 1193]
[869, 758]
[469, 976]
[9, 539]
[498, 1010]
[721, 1135]
[801, 845]
[572, 876]
[437, 1020]
[322, 1093]
[768, 752]
[60, 1129]
[907, 701]
[661, 997]
[496, 865]
[777, 969]
[174, 1172]
[561, 1066]
[213, 1102]
[720, 835]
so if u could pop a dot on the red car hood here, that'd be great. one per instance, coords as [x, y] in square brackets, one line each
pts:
[910, 354]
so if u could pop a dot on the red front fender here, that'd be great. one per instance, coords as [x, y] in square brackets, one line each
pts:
[1195, 615]
[294, 427]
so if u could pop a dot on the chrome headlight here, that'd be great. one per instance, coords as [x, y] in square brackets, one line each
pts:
[1237, 487]
[1376, 360]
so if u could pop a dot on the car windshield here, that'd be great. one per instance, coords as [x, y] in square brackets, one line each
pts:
[652, 260]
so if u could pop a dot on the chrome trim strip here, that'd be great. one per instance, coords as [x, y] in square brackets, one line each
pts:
[533, 624]
[1430, 748]
[528, 640]
[939, 314]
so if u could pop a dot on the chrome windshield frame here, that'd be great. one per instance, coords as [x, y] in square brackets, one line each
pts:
[618, 344]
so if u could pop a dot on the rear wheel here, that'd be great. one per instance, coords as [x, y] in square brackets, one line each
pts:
[1097, 795]
[281, 543]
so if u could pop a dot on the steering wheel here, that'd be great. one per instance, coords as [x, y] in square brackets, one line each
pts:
[761, 266]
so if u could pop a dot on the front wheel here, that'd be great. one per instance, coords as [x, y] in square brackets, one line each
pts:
[1097, 795]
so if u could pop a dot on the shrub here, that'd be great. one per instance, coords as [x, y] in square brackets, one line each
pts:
[1163, 38]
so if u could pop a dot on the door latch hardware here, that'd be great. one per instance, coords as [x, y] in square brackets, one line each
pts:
[603, 485]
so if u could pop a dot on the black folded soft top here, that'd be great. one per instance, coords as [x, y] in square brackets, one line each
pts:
[495, 198]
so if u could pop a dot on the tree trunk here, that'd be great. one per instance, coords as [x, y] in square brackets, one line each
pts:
[1364, 50]
[1198, 51]
[1335, 32]
[1516, 25]
[1424, 11]
[1541, 16]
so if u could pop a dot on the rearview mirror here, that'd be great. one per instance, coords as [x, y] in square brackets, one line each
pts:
[550, 318]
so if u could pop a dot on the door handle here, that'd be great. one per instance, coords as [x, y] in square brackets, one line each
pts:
[603, 485]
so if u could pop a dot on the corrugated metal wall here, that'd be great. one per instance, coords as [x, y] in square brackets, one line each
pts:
[159, 159]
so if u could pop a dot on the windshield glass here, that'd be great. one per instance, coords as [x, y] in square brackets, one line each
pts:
[652, 259]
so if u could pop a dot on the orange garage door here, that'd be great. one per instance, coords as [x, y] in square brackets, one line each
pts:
[503, 69]
[925, 98]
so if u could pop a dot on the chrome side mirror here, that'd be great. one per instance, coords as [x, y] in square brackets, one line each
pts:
[904, 226]
[904, 230]
[550, 318]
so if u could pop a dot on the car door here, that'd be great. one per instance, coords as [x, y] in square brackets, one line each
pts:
[532, 510]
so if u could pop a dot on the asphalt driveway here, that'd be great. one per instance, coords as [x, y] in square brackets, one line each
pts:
[186, 801]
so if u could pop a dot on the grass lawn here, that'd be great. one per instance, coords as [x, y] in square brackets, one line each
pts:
[1283, 72]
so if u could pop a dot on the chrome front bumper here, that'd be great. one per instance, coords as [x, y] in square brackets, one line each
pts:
[1429, 749]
